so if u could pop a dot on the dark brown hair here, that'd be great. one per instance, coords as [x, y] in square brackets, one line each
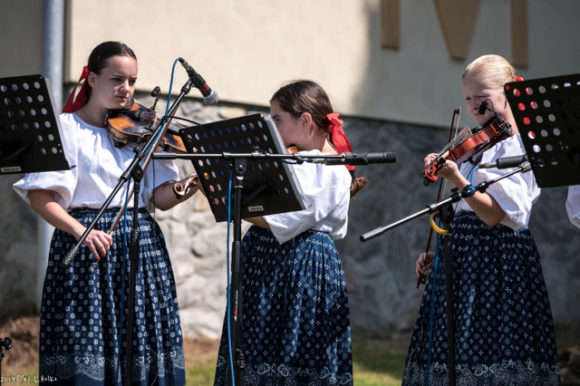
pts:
[306, 96]
[102, 52]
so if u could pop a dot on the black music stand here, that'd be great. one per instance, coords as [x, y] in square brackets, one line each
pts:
[29, 130]
[547, 112]
[260, 187]
[268, 187]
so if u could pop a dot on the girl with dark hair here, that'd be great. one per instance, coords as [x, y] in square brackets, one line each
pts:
[296, 321]
[83, 314]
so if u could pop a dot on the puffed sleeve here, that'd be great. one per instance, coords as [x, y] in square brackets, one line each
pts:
[515, 194]
[573, 204]
[326, 193]
[159, 172]
[63, 182]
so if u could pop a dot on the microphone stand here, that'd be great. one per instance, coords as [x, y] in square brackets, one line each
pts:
[240, 161]
[455, 196]
[446, 212]
[136, 172]
[235, 318]
[327, 159]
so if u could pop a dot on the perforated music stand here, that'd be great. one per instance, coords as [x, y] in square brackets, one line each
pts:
[547, 112]
[260, 185]
[30, 139]
[269, 187]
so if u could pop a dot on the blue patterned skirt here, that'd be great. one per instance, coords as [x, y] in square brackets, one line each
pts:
[84, 311]
[504, 333]
[296, 319]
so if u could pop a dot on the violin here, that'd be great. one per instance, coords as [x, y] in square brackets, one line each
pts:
[468, 143]
[136, 124]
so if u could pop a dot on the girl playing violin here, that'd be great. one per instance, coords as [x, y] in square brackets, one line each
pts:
[296, 321]
[503, 323]
[82, 326]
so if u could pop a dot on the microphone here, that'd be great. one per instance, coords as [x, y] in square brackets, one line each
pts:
[155, 94]
[210, 97]
[358, 159]
[505, 162]
[483, 107]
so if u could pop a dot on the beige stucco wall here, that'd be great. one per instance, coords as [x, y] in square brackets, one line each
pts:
[246, 49]
[20, 37]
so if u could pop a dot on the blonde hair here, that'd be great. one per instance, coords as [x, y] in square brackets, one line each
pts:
[495, 70]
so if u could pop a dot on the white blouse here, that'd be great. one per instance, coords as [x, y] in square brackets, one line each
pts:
[96, 165]
[326, 193]
[573, 204]
[515, 194]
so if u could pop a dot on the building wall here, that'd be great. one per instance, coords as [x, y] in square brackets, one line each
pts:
[246, 49]
[20, 37]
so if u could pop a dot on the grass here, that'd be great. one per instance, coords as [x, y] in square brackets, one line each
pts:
[377, 364]
[566, 337]
[24, 377]
[374, 364]
[200, 373]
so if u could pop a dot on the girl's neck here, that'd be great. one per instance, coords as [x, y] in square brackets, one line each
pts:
[321, 142]
[328, 148]
[92, 115]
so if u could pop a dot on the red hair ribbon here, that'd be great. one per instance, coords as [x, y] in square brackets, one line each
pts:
[338, 136]
[73, 104]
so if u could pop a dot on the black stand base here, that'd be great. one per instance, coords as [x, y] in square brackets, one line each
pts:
[5, 343]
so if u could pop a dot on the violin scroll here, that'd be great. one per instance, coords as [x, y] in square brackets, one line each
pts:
[430, 173]
[425, 265]
[182, 189]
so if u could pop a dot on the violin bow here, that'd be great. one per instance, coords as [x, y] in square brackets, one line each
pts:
[426, 260]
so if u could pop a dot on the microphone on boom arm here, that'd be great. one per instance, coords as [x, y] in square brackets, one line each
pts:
[210, 97]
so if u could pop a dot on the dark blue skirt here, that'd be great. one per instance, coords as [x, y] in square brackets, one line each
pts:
[84, 311]
[296, 319]
[503, 323]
